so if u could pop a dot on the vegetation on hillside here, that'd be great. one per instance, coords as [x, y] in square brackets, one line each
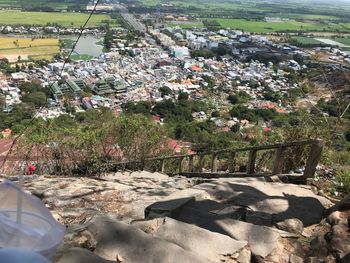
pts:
[81, 145]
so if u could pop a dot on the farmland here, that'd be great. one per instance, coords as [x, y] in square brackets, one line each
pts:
[28, 48]
[307, 41]
[266, 27]
[43, 18]
[54, 5]
[250, 15]
[343, 40]
[292, 8]
[187, 25]
[205, 5]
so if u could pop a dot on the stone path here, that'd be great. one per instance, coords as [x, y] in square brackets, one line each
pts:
[123, 195]
[150, 217]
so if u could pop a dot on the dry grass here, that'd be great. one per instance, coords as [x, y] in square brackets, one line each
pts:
[28, 48]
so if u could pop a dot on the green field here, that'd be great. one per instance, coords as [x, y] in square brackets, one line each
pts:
[42, 18]
[186, 25]
[206, 4]
[307, 41]
[303, 11]
[305, 16]
[52, 4]
[266, 27]
[343, 40]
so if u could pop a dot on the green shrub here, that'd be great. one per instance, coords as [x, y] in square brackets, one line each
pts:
[343, 181]
[335, 158]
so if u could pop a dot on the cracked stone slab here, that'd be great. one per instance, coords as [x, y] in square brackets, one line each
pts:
[261, 239]
[203, 242]
[112, 238]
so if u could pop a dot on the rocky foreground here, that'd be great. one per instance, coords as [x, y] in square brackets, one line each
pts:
[150, 217]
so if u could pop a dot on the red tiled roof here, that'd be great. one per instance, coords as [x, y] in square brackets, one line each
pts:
[156, 118]
[196, 68]
[173, 144]
[179, 146]
[268, 106]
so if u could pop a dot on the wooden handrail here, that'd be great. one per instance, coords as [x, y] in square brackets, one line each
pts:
[257, 148]
[310, 167]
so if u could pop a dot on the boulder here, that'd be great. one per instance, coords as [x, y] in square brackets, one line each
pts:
[340, 240]
[292, 225]
[343, 205]
[149, 226]
[244, 256]
[334, 218]
[319, 246]
[295, 259]
[313, 260]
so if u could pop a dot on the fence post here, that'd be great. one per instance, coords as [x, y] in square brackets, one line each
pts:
[314, 158]
[143, 164]
[251, 162]
[278, 163]
[201, 163]
[231, 162]
[181, 165]
[214, 163]
[162, 165]
[190, 164]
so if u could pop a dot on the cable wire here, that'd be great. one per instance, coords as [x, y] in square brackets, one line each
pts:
[50, 85]
[79, 36]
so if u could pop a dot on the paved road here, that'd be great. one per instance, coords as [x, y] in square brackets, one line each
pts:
[136, 24]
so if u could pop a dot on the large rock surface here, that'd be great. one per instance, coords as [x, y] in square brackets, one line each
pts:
[292, 225]
[111, 239]
[283, 201]
[75, 200]
[210, 245]
[222, 205]
[261, 239]
[209, 222]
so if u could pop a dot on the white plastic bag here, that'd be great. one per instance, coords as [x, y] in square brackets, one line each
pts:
[37, 230]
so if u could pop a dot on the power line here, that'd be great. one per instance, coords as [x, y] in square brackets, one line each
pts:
[59, 75]
[80, 34]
